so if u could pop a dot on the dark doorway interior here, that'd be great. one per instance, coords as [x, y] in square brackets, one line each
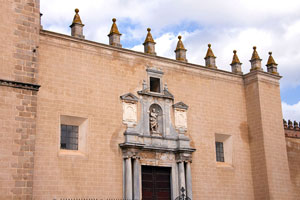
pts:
[156, 184]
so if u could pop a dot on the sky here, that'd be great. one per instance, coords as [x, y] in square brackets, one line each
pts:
[271, 25]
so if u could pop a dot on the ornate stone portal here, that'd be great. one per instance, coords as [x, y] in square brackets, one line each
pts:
[153, 140]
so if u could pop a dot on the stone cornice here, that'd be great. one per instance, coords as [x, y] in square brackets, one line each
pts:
[21, 85]
[141, 54]
[125, 146]
[257, 75]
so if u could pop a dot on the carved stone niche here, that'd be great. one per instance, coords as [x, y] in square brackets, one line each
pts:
[156, 120]
[129, 102]
[154, 129]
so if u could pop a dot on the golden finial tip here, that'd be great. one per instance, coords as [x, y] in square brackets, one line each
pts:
[77, 10]
[148, 29]
[270, 53]
[179, 37]
[234, 51]
[254, 48]
[209, 45]
[114, 19]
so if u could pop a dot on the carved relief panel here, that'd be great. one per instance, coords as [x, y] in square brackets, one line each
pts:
[180, 111]
[129, 102]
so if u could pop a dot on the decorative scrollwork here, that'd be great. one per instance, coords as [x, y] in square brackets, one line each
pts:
[182, 196]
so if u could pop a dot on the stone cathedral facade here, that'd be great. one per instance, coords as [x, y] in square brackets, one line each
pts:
[84, 120]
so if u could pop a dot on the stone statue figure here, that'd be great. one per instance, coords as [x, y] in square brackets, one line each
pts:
[153, 120]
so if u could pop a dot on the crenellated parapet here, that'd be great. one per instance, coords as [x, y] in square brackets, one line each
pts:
[291, 129]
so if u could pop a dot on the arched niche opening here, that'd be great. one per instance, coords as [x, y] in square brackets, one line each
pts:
[156, 119]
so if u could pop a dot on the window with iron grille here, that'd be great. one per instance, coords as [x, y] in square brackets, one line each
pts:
[69, 137]
[219, 152]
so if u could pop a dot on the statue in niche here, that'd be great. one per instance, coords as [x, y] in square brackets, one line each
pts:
[155, 119]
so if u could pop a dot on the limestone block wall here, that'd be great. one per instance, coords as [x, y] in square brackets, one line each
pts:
[292, 137]
[20, 25]
[293, 152]
[270, 169]
[18, 97]
[85, 79]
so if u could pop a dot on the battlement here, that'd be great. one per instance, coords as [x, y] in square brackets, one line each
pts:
[291, 129]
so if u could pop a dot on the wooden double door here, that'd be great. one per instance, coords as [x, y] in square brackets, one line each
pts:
[156, 183]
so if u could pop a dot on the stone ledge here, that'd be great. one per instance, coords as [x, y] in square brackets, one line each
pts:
[143, 147]
[21, 85]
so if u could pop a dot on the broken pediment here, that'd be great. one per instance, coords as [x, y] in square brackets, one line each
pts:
[129, 97]
[181, 105]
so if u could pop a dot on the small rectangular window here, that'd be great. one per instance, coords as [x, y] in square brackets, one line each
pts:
[219, 152]
[69, 137]
[154, 84]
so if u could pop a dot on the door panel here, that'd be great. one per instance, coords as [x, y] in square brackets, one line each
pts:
[156, 184]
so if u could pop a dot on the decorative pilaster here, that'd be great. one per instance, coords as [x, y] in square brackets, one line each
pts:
[210, 58]
[188, 177]
[271, 65]
[149, 44]
[77, 26]
[180, 51]
[236, 65]
[114, 35]
[255, 61]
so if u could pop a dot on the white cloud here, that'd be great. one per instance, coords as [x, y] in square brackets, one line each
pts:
[291, 112]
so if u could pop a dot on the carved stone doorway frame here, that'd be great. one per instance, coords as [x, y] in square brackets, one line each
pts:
[134, 157]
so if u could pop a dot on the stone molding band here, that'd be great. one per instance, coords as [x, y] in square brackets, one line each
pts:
[21, 85]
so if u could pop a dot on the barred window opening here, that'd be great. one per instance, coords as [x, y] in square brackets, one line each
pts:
[219, 152]
[69, 137]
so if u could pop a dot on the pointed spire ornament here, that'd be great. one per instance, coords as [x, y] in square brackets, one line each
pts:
[210, 58]
[149, 44]
[236, 65]
[77, 26]
[271, 65]
[114, 35]
[180, 51]
[255, 61]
